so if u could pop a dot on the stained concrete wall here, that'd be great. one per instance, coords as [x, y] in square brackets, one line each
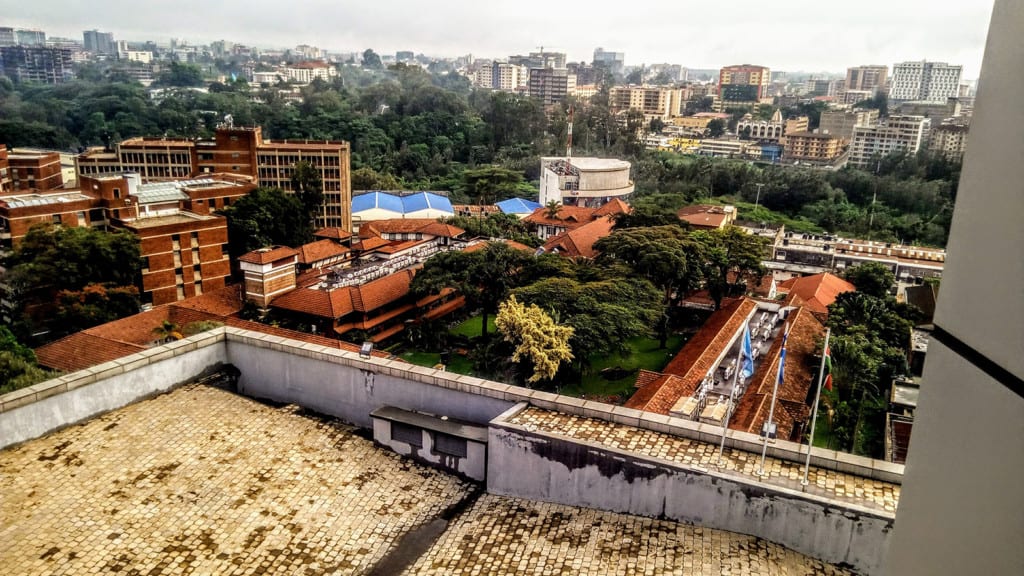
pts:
[37, 410]
[474, 465]
[544, 467]
[343, 385]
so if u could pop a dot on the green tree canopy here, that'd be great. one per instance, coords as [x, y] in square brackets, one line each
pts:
[266, 217]
[730, 250]
[664, 255]
[309, 188]
[67, 279]
[535, 336]
[872, 278]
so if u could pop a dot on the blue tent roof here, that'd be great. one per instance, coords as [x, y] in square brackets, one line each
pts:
[401, 204]
[377, 200]
[518, 206]
[425, 200]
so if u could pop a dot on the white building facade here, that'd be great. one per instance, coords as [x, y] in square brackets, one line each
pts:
[925, 81]
[590, 182]
[898, 133]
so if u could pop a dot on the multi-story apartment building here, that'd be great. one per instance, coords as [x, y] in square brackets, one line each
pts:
[483, 74]
[612, 61]
[30, 169]
[812, 147]
[99, 42]
[36, 64]
[653, 101]
[743, 83]
[925, 81]
[7, 37]
[871, 78]
[842, 122]
[550, 85]
[949, 140]
[306, 72]
[241, 151]
[508, 76]
[27, 37]
[907, 133]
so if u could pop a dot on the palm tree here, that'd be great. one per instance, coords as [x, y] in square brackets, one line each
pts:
[167, 331]
[553, 208]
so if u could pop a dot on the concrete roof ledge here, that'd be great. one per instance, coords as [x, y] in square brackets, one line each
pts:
[626, 416]
[600, 410]
[888, 471]
[49, 388]
[16, 399]
[545, 400]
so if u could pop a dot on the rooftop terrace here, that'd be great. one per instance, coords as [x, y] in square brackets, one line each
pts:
[200, 480]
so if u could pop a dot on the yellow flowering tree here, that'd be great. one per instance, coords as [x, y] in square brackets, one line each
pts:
[536, 336]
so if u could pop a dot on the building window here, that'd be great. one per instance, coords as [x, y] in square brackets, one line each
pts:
[410, 435]
[450, 445]
[117, 192]
[56, 219]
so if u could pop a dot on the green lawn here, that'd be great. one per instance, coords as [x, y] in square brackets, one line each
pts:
[459, 364]
[471, 327]
[646, 355]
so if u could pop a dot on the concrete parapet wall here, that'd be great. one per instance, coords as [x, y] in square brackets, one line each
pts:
[342, 384]
[37, 410]
[573, 472]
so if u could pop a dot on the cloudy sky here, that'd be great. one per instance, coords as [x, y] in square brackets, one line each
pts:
[809, 35]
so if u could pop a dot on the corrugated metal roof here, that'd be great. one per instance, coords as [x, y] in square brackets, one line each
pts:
[518, 206]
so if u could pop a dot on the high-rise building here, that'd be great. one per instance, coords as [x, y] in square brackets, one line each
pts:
[949, 140]
[36, 64]
[7, 37]
[613, 61]
[870, 77]
[906, 133]
[550, 85]
[99, 42]
[842, 122]
[508, 76]
[743, 83]
[925, 81]
[653, 101]
[30, 37]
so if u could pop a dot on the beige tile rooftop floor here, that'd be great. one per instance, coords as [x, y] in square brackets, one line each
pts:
[828, 483]
[500, 535]
[201, 481]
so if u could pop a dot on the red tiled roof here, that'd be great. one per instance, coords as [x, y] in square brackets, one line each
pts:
[116, 339]
[223, 302]
[799, 374]
[301, 336]
[703, 216]
[613, 207]
[368, 244]
[580, 242]
[333, 233]
[267, 255]
[331, 304]
[568, 217]
[694, 361]
[399, 245]
[817, 291]
[82, 350]
[320, 250]
[381, 291]
[409, 226]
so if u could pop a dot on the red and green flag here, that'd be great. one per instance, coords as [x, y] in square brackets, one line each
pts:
[828, 368]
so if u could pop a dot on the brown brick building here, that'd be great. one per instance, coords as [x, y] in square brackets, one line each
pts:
[182, 255]
[239, 151]
[5, 171]
[813, 147]
[34, 170]
[183, 245]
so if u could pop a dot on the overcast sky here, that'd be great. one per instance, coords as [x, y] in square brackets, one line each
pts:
[809, 35]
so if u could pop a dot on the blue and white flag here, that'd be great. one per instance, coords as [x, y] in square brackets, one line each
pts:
[782, 356]
[747, 362]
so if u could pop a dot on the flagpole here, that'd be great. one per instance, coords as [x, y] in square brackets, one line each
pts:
[771, 410]
[728, 408]
[817, 401]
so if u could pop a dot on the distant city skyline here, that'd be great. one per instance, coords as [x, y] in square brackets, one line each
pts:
[793, 35]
